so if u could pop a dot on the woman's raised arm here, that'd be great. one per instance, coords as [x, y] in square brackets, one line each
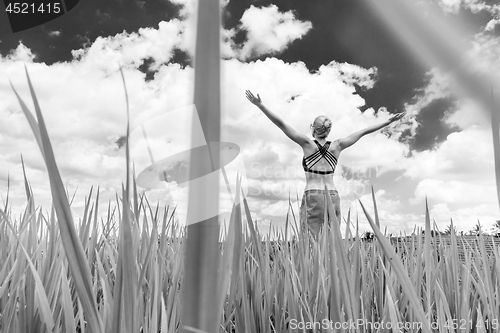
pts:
[354, 137]
[295, 136]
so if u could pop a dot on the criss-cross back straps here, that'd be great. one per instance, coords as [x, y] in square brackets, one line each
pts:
[322, 152]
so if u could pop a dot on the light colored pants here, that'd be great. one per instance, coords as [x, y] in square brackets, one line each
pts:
[312, 209]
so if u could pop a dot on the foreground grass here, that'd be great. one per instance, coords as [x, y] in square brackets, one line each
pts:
[269, 286]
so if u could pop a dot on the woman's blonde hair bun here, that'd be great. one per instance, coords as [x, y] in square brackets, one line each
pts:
[321, 127]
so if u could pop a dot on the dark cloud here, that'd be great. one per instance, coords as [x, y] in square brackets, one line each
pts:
[347, 31]
[150, 67]
[121, 142]
[432, 130]
[146, 68]
[87, 21]
[182, 58]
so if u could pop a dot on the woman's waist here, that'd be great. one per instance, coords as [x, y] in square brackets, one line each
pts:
[320, 183]
[318, 191]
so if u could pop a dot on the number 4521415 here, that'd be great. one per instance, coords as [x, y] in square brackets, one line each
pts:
[29, 8]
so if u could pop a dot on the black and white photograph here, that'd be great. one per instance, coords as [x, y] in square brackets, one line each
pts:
[249, 166]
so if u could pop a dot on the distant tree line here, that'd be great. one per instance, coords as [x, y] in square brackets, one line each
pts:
[476, 230]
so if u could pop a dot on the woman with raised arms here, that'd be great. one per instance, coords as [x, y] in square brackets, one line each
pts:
[319, 162]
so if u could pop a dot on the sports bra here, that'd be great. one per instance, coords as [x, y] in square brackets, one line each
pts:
[322, 152]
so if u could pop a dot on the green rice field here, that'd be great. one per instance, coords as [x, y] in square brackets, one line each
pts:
[269, 286]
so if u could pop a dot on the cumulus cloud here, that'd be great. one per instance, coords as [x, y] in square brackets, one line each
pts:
[468, 113]
[483, 55]
[451, 5]
[83, 104]
[131, 49]
[269, 31]
[459, 173]
[457, 176]
[466, 217]
[324, 92]
[437, 87]
[84, 107]
[21, 54]
[464, 111]
[490, 26]
[351, 74]
[475, 6]
[55, 33]
[457, 193]
[465, 155]
[392, 217]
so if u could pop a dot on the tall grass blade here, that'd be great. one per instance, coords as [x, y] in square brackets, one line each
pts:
[341, 253]
[67, 304]
[253, 232]
[230, 261]
[75, 253]
[238, 240]
[495, 124]
[31, 120]
[43, 302]
[400, 272]
[27, 186]
[8, 194]
[375, 210]
[427, 256]
[124, 311]
[201, 259]
[382, 283]
[392, 311]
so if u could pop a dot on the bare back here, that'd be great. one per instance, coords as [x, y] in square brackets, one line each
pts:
[319, 180]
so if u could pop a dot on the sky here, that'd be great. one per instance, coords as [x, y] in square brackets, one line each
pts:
[339, 58]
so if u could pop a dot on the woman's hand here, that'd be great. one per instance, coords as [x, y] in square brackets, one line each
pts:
[396, 117]
[295, 136]
[254, 100]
